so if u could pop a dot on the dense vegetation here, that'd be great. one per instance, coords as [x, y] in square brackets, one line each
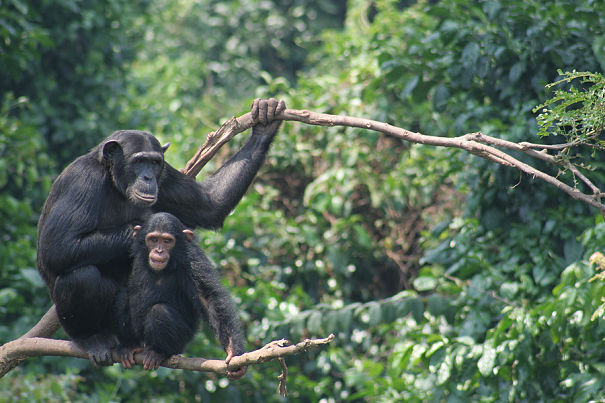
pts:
[444, 277]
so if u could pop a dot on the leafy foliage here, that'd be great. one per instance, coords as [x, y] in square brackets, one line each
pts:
[68, 58]
[576, 114]
[23, 185]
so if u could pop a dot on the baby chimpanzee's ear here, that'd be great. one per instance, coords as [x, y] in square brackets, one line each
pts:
[137, 228]
[188, 234]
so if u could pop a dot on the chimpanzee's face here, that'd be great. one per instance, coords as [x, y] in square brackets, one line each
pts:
[136, 160]
[159, 244]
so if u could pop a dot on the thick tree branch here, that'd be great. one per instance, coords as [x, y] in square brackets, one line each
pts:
[36, 342]
[475, 143]
[24, 348]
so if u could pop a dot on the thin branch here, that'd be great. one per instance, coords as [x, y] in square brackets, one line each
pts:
[527, 148]
[283, 391]
[593, 135]
[475, 143]
[24, 348]
[46, 326]
[556, 147]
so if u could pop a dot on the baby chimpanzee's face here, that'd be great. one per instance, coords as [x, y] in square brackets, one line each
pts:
[159, 244]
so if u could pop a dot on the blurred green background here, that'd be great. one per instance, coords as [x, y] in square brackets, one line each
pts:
[443, 276]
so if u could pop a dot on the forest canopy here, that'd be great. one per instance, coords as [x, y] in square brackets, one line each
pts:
[443, 276]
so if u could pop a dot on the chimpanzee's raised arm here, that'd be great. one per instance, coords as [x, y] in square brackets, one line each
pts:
[208, 203]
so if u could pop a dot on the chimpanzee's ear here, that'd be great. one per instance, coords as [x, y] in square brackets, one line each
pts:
[111, 149]
[165, 147]
[188, 234]
[137, 228]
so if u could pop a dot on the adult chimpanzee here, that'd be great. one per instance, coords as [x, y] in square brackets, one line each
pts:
[85, 229]
[171, 284]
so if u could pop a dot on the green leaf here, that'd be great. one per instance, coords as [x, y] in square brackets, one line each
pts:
[374, 311]
[409, 87]
[445, 370]
[516, 71]
[470, 54]
[417, 309]
[441, 98]
[487, 361]
[436, 304]
[363, 237]
[33, 277]
[314, 322]
[424, 283]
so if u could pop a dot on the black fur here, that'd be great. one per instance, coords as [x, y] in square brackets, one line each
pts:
[161, 310]
[86, 225]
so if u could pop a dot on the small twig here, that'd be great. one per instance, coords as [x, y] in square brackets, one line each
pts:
[554, 147]
[526, 148]
[24, 348]
[283, 391]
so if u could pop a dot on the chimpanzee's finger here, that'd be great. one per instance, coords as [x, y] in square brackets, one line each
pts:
[262, 112]
[271, 106]
[254, 110]
[238, 373]
[93, 360]
[281, 106]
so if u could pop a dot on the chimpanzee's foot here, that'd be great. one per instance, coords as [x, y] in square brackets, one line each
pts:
[237, 373]
[152, 359]
[126, 355]
[98, 347]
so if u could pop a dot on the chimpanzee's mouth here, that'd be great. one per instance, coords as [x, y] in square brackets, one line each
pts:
[145, 198]
[157, 264]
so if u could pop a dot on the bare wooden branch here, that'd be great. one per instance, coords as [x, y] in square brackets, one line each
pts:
[46, 326]
[283, 391]
[24, 348]
[476, 143]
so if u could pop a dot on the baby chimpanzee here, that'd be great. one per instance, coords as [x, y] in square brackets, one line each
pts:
[171, 284]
